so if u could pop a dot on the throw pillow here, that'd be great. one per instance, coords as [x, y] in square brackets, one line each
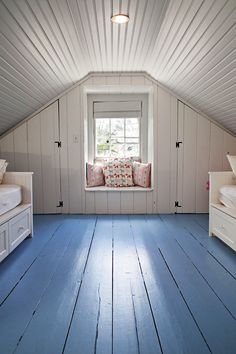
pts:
[118, 173]
[94, 175]
[141, 174]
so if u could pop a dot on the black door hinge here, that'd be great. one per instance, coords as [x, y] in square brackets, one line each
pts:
[60, 205]
[177, 204]
[58, 143]
[178, 144]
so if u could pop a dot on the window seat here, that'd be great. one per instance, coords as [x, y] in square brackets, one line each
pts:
[118, 189]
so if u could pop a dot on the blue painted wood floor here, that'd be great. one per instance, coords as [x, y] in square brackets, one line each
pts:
[117, 285]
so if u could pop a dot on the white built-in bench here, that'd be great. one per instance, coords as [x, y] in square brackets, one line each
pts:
[17, 224]
[222, 220]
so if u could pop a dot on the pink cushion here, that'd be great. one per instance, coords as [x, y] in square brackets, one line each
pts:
[95, 176]
[141, 174]
[118, 173]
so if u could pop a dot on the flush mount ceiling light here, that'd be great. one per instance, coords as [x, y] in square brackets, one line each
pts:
[120, 18]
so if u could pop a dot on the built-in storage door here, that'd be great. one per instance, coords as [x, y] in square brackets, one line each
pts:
[44, 159]
[193, 160]
[187, 155]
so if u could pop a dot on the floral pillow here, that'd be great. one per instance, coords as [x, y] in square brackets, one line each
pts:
[3, 167]
[141, 174]
[94, 175]
[118, 173]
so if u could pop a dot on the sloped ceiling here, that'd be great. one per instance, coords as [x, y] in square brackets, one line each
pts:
[48, 45]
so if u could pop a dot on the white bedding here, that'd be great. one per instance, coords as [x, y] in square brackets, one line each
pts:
[10, 197]
[227, 196]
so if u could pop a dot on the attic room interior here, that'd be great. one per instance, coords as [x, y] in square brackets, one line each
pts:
[117, 176]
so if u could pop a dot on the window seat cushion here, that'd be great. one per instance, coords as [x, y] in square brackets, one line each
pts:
[118, 189]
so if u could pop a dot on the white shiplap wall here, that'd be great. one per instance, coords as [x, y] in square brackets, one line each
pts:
[48, 45]
[73, 118]
[23, 149]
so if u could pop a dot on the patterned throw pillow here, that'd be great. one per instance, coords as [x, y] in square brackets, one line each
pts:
[94, 175]
[141, 174]
[118, 173]
[3, 167]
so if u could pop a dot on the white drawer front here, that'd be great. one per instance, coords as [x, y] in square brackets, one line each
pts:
[224, 227]
[4, 244]
[19, 229]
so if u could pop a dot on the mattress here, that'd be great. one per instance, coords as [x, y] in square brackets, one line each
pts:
[227, 196]
[10, 197]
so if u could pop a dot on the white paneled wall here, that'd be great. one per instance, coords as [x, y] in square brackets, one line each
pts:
[7, 150]
[204, 147]
[72, 118]
[177, 174]
[203, 158]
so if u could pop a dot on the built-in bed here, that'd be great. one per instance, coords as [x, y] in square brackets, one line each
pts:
[222, 217]
[16, 210]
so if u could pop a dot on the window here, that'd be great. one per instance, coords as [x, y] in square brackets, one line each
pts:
[117, 137]
[117, 126]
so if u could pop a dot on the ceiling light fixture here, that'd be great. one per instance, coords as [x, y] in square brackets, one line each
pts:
[120, 18]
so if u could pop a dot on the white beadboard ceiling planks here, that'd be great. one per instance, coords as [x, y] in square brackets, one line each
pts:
[48, 45]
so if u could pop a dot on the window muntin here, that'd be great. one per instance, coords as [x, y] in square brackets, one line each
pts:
[117, 137]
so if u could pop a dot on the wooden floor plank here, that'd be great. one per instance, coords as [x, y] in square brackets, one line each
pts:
[47, 330]
[91, 325]
[208, 311]
[202, 220]
[19, 307]
[220, 251]
[177, 330]
[18, 262]
[134, 328]
[221, 282]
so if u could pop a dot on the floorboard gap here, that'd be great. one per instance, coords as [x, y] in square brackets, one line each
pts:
[135, 318]
[98, 317]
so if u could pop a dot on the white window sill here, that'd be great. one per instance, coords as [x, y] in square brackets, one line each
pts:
[118, 189]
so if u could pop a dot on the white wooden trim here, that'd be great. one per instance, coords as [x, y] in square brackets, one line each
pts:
[117, 189]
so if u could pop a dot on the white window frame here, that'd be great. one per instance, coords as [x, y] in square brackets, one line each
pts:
[143, 133]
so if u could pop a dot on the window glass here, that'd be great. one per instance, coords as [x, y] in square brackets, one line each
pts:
[117, 137]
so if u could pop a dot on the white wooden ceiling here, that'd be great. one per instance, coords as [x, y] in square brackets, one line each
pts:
[48, 45]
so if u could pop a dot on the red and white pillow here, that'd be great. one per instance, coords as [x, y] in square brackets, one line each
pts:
[118, 173]
[94, 175]
[142, 174]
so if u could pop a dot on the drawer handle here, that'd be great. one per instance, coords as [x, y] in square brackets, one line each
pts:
[20, 228]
